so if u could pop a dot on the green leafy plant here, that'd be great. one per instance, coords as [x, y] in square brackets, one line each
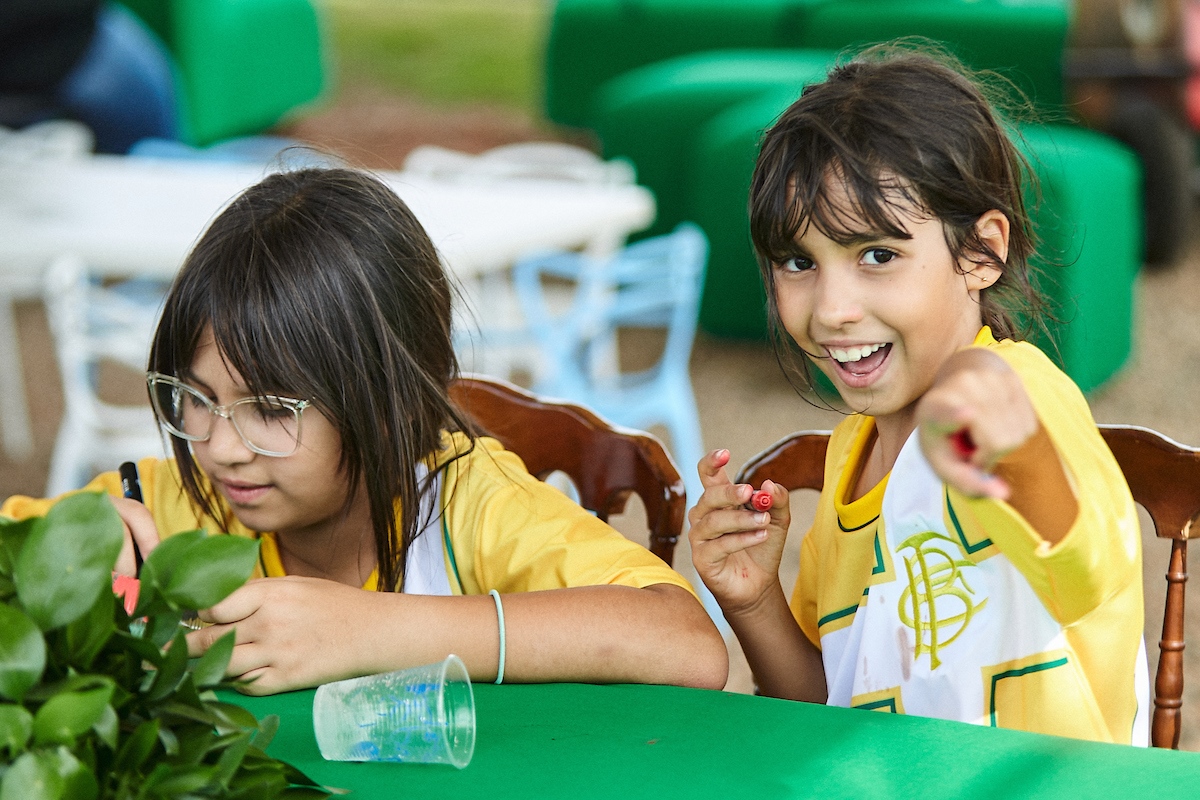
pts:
[91, 710]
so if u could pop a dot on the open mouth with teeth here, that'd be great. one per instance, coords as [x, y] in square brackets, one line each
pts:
[860, 361]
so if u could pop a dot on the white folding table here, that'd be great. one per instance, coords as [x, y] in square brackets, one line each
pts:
[129, 216]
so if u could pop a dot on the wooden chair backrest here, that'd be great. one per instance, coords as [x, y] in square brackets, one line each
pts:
[1164, 478]
[607, 463]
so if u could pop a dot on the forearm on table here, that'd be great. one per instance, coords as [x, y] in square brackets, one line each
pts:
[595, 634]
[782, 659]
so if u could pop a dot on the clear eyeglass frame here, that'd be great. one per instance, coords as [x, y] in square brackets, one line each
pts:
[155, 380]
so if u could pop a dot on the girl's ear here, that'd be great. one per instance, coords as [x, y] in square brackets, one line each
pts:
[992, 228]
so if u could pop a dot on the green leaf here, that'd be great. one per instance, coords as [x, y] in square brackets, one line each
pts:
[267, 728]
[67, 559]
[72, 683]
[232, 717]
[86, 636]
[162, 627]
[168, 740]
[231, 759]
[65, 716]
[180, 782]
[137, 747]
[184, 711]
[143, 649]
[108, 727]
[172, 670]
[12, 537]
[33, 776]
[194, 570]
[310, 792]
[22, 653]
[78, 781]
[210, 668]
[16, 726]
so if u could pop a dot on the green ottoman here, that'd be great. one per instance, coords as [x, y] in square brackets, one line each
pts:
[1089, 223]
[723, 156]
[593, 41]
[651, 115]
[242, 64]
[1023, 41]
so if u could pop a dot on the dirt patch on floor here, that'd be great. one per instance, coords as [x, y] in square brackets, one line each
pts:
[376, 129]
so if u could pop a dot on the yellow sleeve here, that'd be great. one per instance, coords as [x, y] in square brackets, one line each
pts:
[162, 493]
[511, 532]
[1101, 553]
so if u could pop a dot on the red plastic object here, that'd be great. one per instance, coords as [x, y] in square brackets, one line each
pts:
[761, 501]
[964, 445]
[126, 587]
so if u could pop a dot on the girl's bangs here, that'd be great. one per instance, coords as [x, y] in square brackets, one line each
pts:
[844, 204]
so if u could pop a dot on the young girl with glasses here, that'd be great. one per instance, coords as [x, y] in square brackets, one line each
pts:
[975, 554]
[301, 368]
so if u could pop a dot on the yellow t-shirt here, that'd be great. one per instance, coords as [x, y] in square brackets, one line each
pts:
[1088, 586]
[506, 529]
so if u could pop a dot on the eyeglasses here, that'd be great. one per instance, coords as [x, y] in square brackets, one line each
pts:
[268, 425]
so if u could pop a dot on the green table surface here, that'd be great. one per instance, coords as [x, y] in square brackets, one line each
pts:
[580, 741]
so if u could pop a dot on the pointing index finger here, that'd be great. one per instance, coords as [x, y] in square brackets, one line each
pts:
[712, 469]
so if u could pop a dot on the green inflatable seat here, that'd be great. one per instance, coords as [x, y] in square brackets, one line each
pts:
[593, 41]
[242, 64]
[1089, 223]
[651, 115]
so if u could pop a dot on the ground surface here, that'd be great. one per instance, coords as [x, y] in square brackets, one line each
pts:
[745, 404]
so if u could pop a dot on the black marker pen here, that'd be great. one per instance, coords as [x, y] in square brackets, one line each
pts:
[131, 487]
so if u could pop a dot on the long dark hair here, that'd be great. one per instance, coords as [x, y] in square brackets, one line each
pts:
[894, 127]
[321, 284]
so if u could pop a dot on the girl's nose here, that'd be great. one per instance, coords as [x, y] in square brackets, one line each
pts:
[225, 445]
[837, 300]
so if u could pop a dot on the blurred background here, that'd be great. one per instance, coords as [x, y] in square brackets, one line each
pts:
[679, 91]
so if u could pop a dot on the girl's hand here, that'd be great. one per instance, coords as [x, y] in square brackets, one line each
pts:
[976, 413]
[140, 528]
[736, 551]
[292, 632]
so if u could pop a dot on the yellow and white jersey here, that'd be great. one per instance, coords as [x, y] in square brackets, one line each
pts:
[924, 601]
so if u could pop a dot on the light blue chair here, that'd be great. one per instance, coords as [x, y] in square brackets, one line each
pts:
[654, 284]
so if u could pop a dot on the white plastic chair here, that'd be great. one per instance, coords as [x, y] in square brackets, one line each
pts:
[654, 283]
[91, 322]
[51, 140]
[491, 336]
[546, 160]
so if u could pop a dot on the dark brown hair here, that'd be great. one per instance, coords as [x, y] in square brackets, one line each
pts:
[320, 284]
[896, 128]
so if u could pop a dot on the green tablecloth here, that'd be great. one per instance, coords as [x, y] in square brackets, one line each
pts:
[580, 741]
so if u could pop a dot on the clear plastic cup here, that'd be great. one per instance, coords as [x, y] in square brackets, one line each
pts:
[422, 715]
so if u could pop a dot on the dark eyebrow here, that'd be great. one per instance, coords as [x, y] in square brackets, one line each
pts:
[187, 376]
[866, 237]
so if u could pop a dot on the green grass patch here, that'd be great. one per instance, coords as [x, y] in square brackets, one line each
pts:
[443, 51]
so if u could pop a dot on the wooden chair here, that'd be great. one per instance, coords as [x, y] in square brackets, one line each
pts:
[607, 463]
[1164, 478]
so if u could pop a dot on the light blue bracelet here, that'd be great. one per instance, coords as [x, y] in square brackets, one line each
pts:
[500, 617]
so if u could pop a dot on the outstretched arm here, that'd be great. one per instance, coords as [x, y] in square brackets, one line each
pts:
[296, 632]
[736, 552]
[981, 435]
